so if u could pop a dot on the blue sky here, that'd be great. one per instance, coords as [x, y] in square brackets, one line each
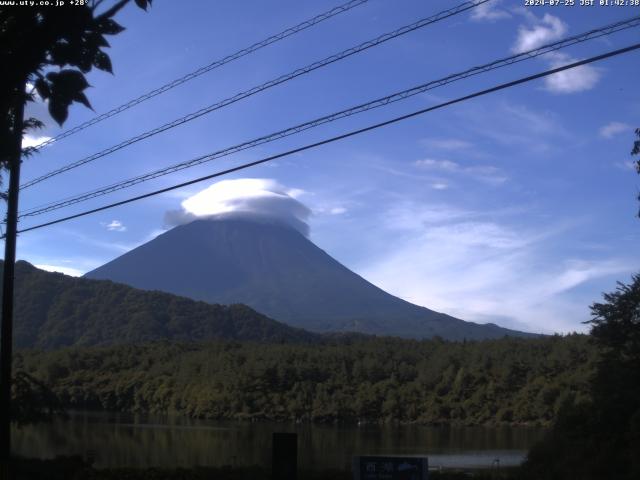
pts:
[517, 208]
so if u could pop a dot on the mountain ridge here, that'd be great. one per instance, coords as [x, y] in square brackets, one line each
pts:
[54, 310]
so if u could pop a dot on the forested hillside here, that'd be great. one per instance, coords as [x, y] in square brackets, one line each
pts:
[54, 310]
[599, 436]
[510, 380]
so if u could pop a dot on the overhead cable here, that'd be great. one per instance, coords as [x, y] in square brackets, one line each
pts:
[259, 88]
[395, 97]
[342, 136]
[205, 69]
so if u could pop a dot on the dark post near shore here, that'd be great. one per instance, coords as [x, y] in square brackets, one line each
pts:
[285, 456]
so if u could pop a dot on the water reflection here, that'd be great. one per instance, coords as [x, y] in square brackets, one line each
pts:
[121, 440]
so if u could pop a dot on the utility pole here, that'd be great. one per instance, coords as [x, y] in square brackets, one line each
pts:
[6, 327]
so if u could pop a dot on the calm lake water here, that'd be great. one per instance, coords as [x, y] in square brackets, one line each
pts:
[121, 440]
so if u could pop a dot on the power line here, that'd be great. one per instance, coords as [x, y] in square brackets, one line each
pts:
[207, 68]
[343, 136]
[257, 89]
[589, 35]
[606, 30]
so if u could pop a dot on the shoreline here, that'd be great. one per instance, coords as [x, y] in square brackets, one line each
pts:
[351, 423]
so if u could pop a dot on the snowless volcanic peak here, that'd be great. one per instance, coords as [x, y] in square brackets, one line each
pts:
[243, 255]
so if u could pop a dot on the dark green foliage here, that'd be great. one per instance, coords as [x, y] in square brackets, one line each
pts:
[599, 437]
[54, 310]
[32, 400]
[35, 40]
[507, 381]
[63, 88]
[616, 384]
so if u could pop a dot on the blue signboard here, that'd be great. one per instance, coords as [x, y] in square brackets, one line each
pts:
[390, 468]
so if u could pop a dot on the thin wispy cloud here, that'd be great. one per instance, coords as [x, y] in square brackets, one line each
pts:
[396, 172]
[483, 269]
[612, 129]
[338, 210]
[486, 173]
[407, 215]
[87, 240]
[446, 143]
[431, 163]
[541, 122]
[328, 210]
[628, 165]
[502, 125]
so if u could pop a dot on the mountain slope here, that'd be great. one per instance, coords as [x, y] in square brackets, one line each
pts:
[54, 310]
[279, 272]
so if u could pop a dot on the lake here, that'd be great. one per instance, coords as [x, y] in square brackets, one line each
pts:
[124, 440]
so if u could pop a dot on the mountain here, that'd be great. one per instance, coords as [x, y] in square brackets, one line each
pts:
[54, 310]
[276, 270]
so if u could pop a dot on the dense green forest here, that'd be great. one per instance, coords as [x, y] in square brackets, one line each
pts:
[598, 436]
[516, 381]
[54, 310]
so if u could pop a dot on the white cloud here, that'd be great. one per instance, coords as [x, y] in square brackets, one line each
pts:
[547, 29]
[489, 12]
[258, 197]
[337, 211]
[439, 186]
[74, 272]
[29, 140]
[114, 226]
[612, 129]
[30, 88]
[543, 31]
[479, 267]
[577, 79]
